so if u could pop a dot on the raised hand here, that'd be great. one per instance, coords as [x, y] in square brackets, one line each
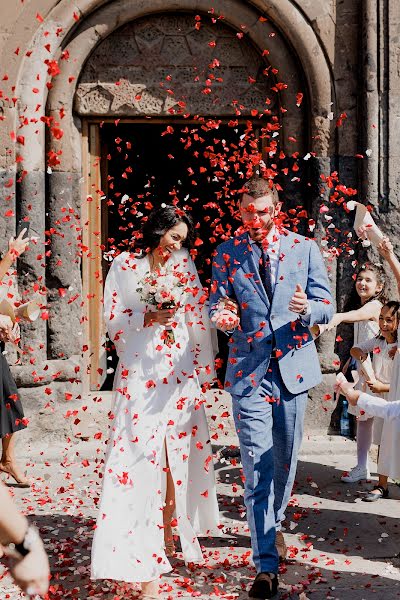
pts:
[15, 334]
[17, 246]
[299, 301]
[6, 328]
[385, 248]
[377, 387]
[334, 322]
[346, 388]
[362, 232]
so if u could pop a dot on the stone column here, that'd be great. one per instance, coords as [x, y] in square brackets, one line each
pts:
[7, 229]
[371, 123]
[389, 181]
[380, 124]
[381, 119]
[7, 194]
[31, 194]
[319, 411]
[393, 156]
[63, 275]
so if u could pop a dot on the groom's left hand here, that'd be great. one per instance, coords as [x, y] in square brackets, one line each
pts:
[299, 301]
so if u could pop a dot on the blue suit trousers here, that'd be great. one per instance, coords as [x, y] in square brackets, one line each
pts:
[269, 425]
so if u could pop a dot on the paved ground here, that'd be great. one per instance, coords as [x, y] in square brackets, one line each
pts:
[340, 547]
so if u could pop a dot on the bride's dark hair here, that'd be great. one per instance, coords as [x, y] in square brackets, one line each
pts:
[158, 223]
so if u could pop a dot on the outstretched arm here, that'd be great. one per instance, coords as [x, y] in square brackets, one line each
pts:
[16, 247]
[369, 312]
[374, 406]
[378, 407]
[318, 290]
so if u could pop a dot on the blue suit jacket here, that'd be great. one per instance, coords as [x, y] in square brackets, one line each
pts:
[235, 275]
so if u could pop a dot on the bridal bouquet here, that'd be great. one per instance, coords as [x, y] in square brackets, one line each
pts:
[163, 289]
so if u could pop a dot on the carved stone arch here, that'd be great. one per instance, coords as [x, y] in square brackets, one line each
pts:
[283, 13]
[159, 66]
[94, 34]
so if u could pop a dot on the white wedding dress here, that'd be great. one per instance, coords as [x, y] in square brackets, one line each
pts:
[157, 402]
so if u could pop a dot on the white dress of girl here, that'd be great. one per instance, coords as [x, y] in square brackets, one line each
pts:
[382, 365]
[158, 404]
[389, 451]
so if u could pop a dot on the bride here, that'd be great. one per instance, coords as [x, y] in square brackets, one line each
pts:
[158, 469]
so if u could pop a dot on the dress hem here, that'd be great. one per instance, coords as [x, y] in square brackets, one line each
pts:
[3, 434]
[125, 579]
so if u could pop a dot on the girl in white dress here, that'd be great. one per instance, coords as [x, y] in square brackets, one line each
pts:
[381, 349]
[159, 459]
[389, 411]
[389, 455]
[369, 285]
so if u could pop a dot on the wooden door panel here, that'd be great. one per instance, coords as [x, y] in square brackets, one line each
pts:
[92, 270]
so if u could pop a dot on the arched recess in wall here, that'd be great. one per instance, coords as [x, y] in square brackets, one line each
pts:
[94, 45]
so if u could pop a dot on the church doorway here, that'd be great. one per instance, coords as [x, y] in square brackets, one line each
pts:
[135, 167]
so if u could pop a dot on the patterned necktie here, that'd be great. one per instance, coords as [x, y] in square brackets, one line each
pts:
[264, 269]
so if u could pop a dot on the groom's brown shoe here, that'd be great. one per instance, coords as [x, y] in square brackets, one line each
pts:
[264, 586]
[280, 545]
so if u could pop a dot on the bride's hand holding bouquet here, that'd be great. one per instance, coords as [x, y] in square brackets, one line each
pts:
[164, 290]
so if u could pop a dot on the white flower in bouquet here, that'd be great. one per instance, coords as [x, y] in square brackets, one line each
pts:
[149, 289]
[164, 295]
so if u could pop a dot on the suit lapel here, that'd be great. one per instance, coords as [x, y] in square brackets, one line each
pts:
[285, 250]
[245, 257]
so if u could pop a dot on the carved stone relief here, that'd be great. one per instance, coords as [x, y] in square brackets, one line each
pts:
[163, 65]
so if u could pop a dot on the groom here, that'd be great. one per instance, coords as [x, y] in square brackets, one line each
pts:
[268, 287]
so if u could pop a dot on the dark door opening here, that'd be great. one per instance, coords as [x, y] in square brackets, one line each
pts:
[201, 167]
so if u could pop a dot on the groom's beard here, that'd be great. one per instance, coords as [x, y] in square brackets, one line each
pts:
[259, 234]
